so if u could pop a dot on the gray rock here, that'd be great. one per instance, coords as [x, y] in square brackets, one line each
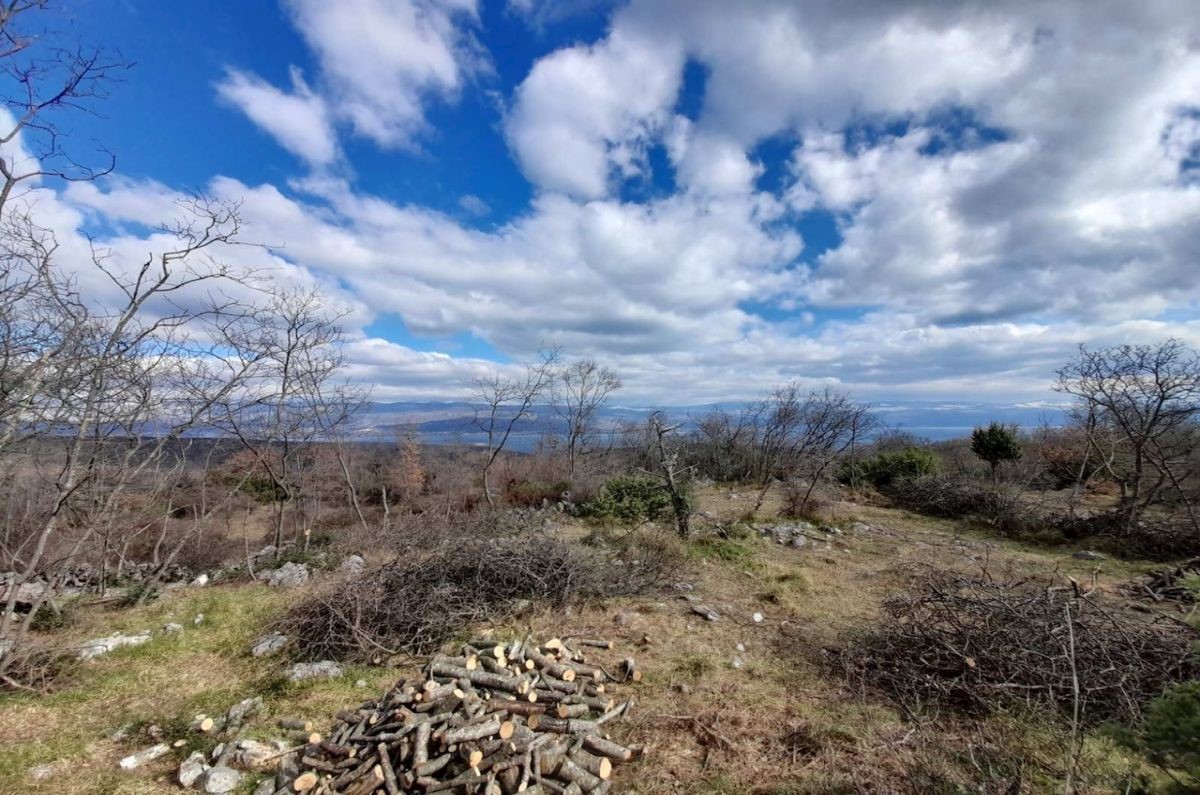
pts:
[707, 613]
[220, 779]
[269, 644]
[289, 575]
[326, 669]
[42, 772]
[98, 647]
[1087, 554]
[134, 761]
[860, 527]
[235, 715]
[172, 628]
[361, 684]
[199, 619]
[266, 786]
[255, 755]
[200, 581]
[799, 541]
[353, 565]
[191, 769]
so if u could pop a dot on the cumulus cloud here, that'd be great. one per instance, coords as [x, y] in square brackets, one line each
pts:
[299, 120]
[382, 59]
[380, 62]
[1006, 181]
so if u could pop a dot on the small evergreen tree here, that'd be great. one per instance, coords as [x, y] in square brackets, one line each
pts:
[996, 444]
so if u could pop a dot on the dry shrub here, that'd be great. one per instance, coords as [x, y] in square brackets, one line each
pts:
[1151, 537]
[416, 603]
[956, 496]
[980, 643]
[34, 666]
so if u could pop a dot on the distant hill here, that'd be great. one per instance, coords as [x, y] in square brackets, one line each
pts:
[455, 422]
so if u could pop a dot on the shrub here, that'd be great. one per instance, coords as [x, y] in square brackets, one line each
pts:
[995, 444]
[883, 469]
[957, 496]
[630, 498]
[534, 494]
[1170, 733]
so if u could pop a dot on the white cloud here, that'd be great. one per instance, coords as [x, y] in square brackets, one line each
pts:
[298, 120]
[587, 111]
[1009, 180]
[381, 60]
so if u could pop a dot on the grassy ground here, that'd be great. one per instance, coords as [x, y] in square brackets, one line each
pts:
[770, 716]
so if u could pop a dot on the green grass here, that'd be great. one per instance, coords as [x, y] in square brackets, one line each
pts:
[740, 552]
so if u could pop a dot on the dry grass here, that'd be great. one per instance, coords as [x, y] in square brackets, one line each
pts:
[781, 722]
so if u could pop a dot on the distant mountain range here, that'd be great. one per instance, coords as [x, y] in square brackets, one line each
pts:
[455, 422]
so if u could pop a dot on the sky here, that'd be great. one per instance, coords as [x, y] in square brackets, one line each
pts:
[906, 199]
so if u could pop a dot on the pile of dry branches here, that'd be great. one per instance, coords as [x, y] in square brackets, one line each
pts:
[497, 718]
[1169, 584]
[978, 642]
[413, 605]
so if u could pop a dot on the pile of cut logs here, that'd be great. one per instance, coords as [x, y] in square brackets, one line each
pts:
[1171, 584]
[498, 718]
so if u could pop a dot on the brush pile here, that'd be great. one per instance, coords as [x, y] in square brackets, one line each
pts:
[1175, 584]
[495, 719]
[979, 643]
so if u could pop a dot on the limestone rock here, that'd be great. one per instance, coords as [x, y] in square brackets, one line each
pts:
[289, 575]
[191, 769]
[326, 669]
[134, 761]
[220, 779]
[98, 647]
[353, 565]
[269, 644]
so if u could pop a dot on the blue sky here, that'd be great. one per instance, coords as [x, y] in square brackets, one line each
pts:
[907, 199]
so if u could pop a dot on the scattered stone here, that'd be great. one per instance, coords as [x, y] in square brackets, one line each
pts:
[740, 647]
[758, 618]
[191, 769]
[707, 613]
[237, 714]
[737, 663]
[289, 575]
[266, 786]
[101, 646]
[134, 761]
[326, 669]
[199, 619]
[269, 644]
[861, 527]
[172, 628]
[255, 755]
[799, 541]
[1087, 554]
[361, 684]
[200, 581]
[683, 586]
[42, 772]
[831, 530]
[353, 565]
[220, 779]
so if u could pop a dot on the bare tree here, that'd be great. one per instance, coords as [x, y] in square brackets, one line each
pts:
[664, 450]
[126, 370]
[583, 387]
[507, 402]
[1140, 405]
[48, 78]
[800, 435]
[295, 400]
